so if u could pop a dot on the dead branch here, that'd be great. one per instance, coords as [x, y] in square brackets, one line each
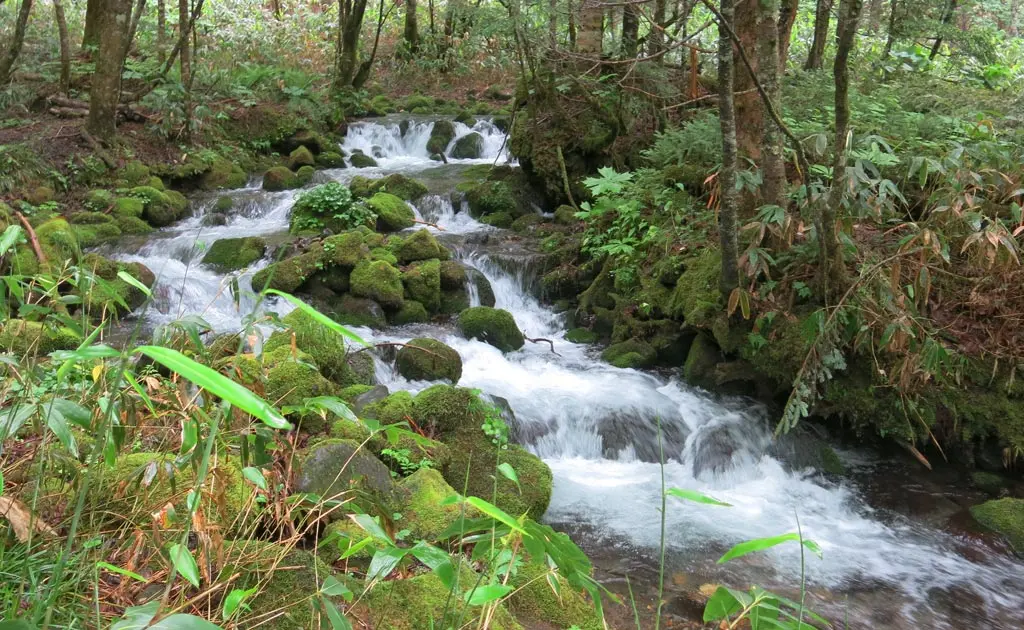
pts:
[542, 340]
[32, 237]
[433, 225]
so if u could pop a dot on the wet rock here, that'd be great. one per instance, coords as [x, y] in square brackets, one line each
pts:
[637, 432]
[482, 285]
[468, 147]
[231, 254]
[490, 325]
[424, 359]
[334, 468]
[374, 395]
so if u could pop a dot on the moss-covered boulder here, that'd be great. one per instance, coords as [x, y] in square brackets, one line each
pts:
[1005, 517]
[412, 312]
[330, 159]
[129, 207]
[337, 468]
[696, 297]
[99, 200]
[231, 254]
[345, 250]
[223, 174]
[701, 361]
[466, 118]
[24, 338]
[93, 228]
[453, 274]
[398, 185]
[392, 213]
[361, 160]
[474, 462]
[289, 274]
[355, 311]
[630, 354]
[468, 147]
[325, 347]
[378, 281]
[566, 215]
[328, 206]
[491, 325]
[441, 136]
[501, 220]
[291, 381]
[447, 410]
[581, 335]
[300, 157]
[280, 178]
[115, 296]
[424, 359]
[535, 601]
[422, 281]
[420, 245]
[420, 499]
[493, 197]
[160, 207]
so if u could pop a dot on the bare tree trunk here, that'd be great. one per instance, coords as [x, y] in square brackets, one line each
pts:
[787, 18]
[10, 56]
[412, 31]
[729, 200]
[833, 267]
[749, 109]
[185, 66]
[1011, 25]
[947, 19]
[350, 23]
[65, 47]
[630, 29]
[890, 37]
[572, 25]
[140, 7]
[430, 5]
[112, 30]
[553, 23]
[589, 41]
[773, 167]
[822, 17]
[94, 13]
[161, 30]
[656, 39]
[364, 68]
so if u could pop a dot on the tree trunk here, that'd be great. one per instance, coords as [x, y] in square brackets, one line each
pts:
[947, 19]
[773, 167]
[161, 30]
[630, 29]
[890, 37]
[136, 17]
[94, 13]
[185, 66]
[729, 201]
[65, 47]
[412, 32]
[572, 25]
[787, 18]
[350, 23]
[822, 17]
[875, 15]
[553, 24]
[112, 30]
[10, 56]
[833, 268]
[589, 40]
[749, 110]
[656, 39]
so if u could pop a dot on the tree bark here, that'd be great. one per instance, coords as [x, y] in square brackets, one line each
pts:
[65, 47]
[787, 18]
[749, 110]
[412, 32]
[136, 17]
[822, 17]
[10, 56]
[185, 68]
[630, 29]
[106, 79]
[947, 19]
[656, 39]
[94, 15]
[890, 37]
[773, 167]
[553, 24]
[833, 267]
[589, 40]
[875, 15]
[161, 30]
[729, 201]
[350, 23]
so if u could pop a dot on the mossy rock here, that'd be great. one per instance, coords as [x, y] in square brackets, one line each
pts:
[630, 354]
[453, 275]
[484, 290]
[325, 347]
[143, 483]
[989, 482]
[345, 250]
[360, 186]
[534, 600]
[312, 140]
[335, 468]
[420, 245]
[99, 200]
[392, 409]
[289, 274]
[300, 157]
[498, 219]
[129, 207]
[223, 174]
[378, 281]
[701, 361]
[491, 325]
[441, 136]
[280, 178]
[422, 281]
[468, 147]
[292, 382]
[117, 296]
[497, 196]
[344, 429]
[223, 205]
[330, 159]
[412, 312]
[566, 215]
[232, 254]
[696, 297]
[420, 499]
[424, 359]
[305, 174]
[454, 301]
[355, 311]
[24, 338]
[160, 208]
[1005, 517]
[392, 213]
[466, 118]
[398, 185]
[581, 335]
[527, 223]
[361, 160]
[447, 410]
[474, 462]
[93, 234]
[133, 225]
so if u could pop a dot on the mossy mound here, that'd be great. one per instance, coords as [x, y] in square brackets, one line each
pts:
[392, 213]
[446, 410]
[424, 359]
[24, 338]
[535, 601]
[474, 462]
[566, 215]
[129, 207]
[355, 311]
[330, 159]
[630, 354]
[422, 281]
[324, 346]
[453, 275]
[420, 498]
[300, 157]
[160, 208]
[468, 147]
[502, 220]
[1005, 517]
[421, 245]
[441, 136]
[288, 275]
[290, 382]
[581, 335]
[231, 254]
[280, 178]
[378, 281]
[115, 296]
[361, 160]
[491, 198]
[396, 184]
[328, 206]
[223, 174]
[466, 118]
[695, 298]
[490, 325]
[336, 468]
[99, 200]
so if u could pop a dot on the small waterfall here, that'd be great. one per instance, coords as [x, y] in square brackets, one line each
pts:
[439, 210]
[401, 142]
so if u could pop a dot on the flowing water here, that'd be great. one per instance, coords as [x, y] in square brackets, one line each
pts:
[597, 427]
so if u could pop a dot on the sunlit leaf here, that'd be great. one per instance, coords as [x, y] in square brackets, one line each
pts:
[760, 544]
[118, 570]
[184, 563]
[486, 594]
[319, 317]
[236, 600]
[696, 497]
[255, 475]
[384, 562]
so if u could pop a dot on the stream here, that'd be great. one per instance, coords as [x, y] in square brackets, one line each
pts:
[887, 560]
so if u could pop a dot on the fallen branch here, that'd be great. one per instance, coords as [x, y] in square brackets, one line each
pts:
[433, 225]
[32, 237]
[542, 340]
[917, 454]
[68, 112]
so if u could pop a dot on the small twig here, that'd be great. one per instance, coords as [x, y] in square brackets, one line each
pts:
[32, 237]
[433, 225]
[542, 340]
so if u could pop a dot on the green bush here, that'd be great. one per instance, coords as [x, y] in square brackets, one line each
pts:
[329, 205]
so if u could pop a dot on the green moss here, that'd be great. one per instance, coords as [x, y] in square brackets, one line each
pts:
[696, 297]
[474, 462]
[830, 462]
[381, 253]
[392, 213]
[134, 173]
[468, 147]
[300, 157]
[345, 250]
[288, 275]
[360, 186]
[324, 346]
[379, 282]
[1005, 517]
[527, 222]
[115, 295]
[989, 482]
[361, 160]
[453, 275]
[581, 335]
[424, 359]
[534, 600]
[466, 118]
[94, 234]
[160, 208]
[223, 174]
[129, 207]
[333, 468]
[280, 178]
[351, 392]
[58, 242]
[498, 219]
[23, 338]
[292, 382]
[133, 225]
[490, 325]
[358, 312]
[398, 185]
[566, 215]
[421, 245]
[492, 197]
[420, 499]
[330, 159]
[447, 410]
[392, 409]
[630, 354]
[231, 254]
[700, 363]
[305, 174]
[441, 136]
[422, 282]
[412, 312]
[100, 200]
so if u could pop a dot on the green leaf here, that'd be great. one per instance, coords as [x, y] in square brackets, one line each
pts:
[333, 404]
[1, 483]
[355, 548]
[130, 279]
[696, 497]
[13, 234]
[372, 527]
[721, 605]
[332, 587]
[118, 570]
[429, 555]
[486, 594]
[182, 621]
[16, 624]
[57, 423]
[217, 384]
[510, 473]
[319, 317]
[74, 412]
[255, 475]
[384, 562]
[495, 512]
[137, 617]
[338, 621]
[235, 600]
[14, 418]
[185, 563]
[760, 544]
